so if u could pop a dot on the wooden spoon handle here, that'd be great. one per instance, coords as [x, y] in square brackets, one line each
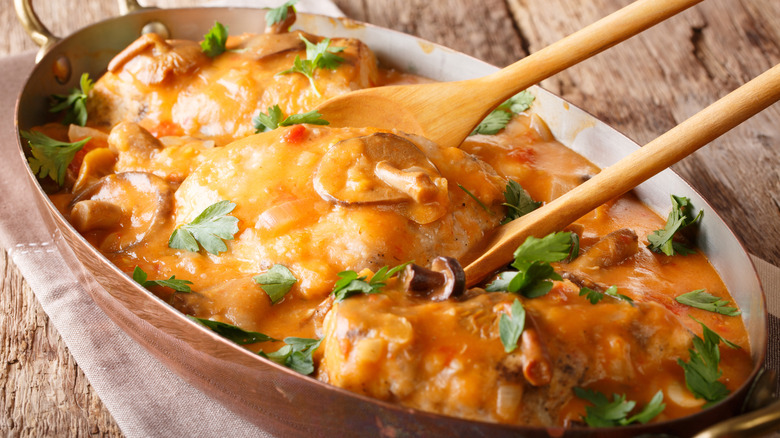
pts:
[493, 89]
[671, 147]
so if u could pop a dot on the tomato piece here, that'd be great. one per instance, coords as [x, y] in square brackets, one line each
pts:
[295, 134]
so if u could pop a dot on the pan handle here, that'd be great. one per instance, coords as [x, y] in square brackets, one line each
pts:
[32, 24]
[128, 6]
[41, 35]
[755, 424]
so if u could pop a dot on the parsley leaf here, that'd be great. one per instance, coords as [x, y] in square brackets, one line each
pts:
[276, 282]
[214, 41]
[612, 291]
[273, 120]
[680, 217]
[349, 283]
[75, 102]
[49, 156]
[319, 55]
[591, 295]
[701, 370]
[232, 332]
[493, 123]
[703, 300]
[277, 15]
[500, 117]
[296, 355]
[532, 261]
[510, 327]
[604, 413]
[518, 202]
[209, 229]
[140, 277]
[518, 103]
[481, 204]
[595, 296]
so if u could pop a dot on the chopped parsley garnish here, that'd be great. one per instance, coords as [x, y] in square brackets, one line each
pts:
[605, 413]
[318, 55]
[500, 117]
[232, 332]
[276, 282]
[277, 15]
[518, 202]
[74, 102]
[214, 41]
[705, 301]
[680, 217]
[595, 296]
[273, 120]
[349, 283]
[481, 204]
[209, 229]
[49, 156]
[532, 261]
[140, 277]
[511, 327]
[701, 370]
[296, 355]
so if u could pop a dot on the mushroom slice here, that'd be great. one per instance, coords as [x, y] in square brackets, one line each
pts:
[445, 279]
[97, 163]
[132, 137]
[383, 168]
[133, 205]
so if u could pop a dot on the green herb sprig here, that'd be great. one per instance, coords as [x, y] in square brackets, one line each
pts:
[274, 119]
[680, 217]
[279, 14]
[232, 332]
[518, 202]
[319, 55]
[605, 413]
[214, 41]
[702, 300]
[277, 282]
[350, 283]
[532, 261]
[140, 277]
[51, 157]
[74, 103]
[511, 326]
[296, 354]
[500, 117]
[208, 229]
[702, 369]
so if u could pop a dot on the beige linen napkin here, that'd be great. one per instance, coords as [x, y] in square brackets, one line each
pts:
[145, 398]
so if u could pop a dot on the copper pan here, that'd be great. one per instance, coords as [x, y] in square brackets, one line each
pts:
[279, 400]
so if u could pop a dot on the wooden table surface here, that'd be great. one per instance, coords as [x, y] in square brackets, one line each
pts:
[643, 87]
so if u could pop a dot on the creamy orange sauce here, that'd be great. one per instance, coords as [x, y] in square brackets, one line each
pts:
[172, 134]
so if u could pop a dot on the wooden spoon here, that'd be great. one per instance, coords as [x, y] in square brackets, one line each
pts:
[684, 139]
[447, 112]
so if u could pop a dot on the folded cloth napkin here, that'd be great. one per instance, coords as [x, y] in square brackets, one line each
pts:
[145, 397]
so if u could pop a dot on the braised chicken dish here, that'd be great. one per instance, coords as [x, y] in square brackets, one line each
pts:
[203, 171]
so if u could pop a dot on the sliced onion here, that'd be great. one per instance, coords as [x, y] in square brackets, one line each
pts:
[76, 133]
[280, 217]
[508, 399]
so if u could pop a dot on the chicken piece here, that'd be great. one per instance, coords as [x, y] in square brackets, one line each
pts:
[447, 357]
[172, 88]
[284, 219]
[610, 250]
